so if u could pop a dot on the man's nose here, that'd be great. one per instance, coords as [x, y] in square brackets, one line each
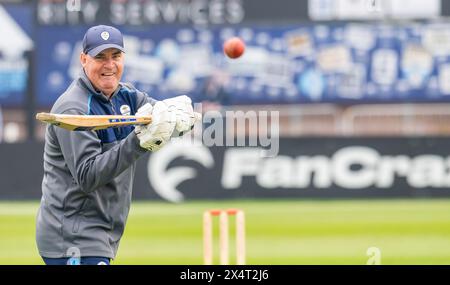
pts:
[109, 63]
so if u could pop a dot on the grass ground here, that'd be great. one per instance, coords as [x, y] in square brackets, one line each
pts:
[278, 232]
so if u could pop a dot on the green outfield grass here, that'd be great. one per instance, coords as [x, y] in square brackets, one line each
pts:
[278, 232]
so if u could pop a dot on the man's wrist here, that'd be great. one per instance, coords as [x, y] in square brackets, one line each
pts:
[136, 143]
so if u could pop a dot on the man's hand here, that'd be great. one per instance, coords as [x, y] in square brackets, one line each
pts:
[155, 135]
[185, 116]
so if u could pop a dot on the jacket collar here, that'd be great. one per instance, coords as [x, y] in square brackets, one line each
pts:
[87, 83]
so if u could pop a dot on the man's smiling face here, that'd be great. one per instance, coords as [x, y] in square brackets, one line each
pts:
[104, 70]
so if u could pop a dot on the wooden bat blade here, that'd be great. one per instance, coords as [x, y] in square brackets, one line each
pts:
[91, 122]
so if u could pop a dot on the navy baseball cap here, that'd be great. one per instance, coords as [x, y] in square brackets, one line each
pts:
[99, 38]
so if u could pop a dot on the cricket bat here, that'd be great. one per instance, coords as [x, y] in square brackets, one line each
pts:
[91, 122]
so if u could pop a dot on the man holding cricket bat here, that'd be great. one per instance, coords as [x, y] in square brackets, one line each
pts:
[88, 175]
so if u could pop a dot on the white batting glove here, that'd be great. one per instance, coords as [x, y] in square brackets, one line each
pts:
[155, 135]
[184, 112]
[145, 110]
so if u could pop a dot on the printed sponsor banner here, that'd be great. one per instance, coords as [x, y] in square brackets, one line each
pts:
[14, 1]
[15, 32]
[304, 168]
[168, 12]
[169, 53]
[201, 12]
[340, 63]
[373, 9]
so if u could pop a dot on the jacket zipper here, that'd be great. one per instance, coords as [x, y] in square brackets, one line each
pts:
[115, 113]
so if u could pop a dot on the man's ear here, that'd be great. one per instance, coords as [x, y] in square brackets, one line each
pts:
[83, 59]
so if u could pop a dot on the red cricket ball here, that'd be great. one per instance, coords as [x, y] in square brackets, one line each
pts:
[234, 47]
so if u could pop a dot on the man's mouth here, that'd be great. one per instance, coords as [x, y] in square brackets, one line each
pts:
[108, 74]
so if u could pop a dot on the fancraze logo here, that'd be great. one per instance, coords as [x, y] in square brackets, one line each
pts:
[165, 180]
[351, 167]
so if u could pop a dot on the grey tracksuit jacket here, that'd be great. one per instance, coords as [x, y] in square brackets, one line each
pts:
[88, 175]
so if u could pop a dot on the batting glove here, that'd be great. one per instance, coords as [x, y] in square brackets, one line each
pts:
[155, 135]
[184, 114]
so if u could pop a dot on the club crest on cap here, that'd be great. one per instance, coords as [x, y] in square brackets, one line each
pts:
[105, 35]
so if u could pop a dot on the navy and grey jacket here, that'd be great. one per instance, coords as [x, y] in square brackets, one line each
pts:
[88, 175]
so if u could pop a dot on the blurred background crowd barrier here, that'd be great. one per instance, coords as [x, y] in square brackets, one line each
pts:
[341, 73]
